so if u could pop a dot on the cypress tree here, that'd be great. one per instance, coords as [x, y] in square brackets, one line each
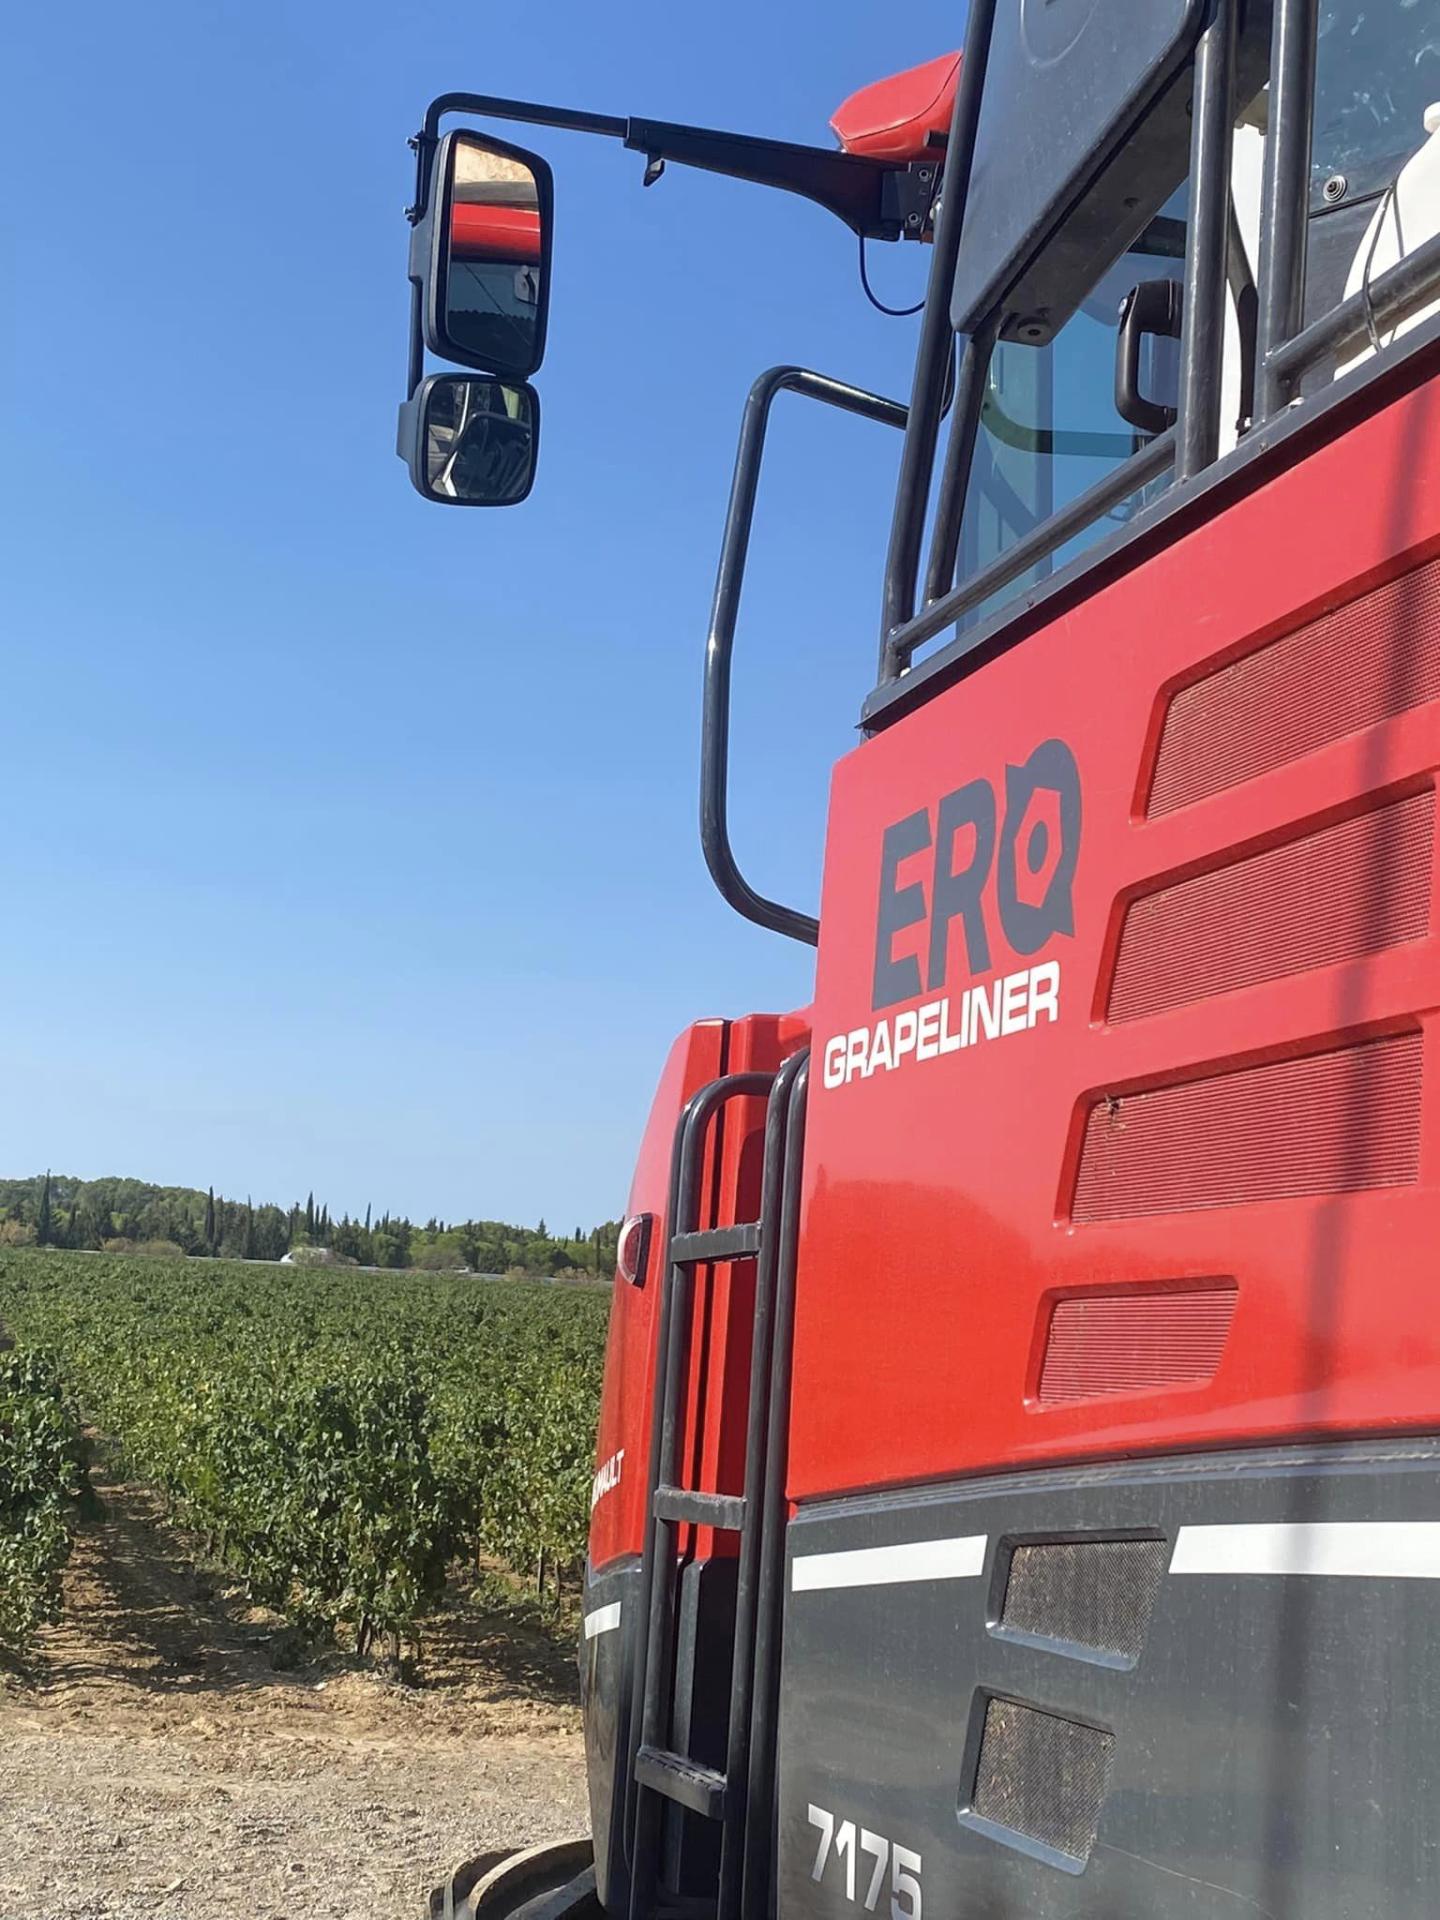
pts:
[210, 1222]
[42, 1220]
[310, 1217]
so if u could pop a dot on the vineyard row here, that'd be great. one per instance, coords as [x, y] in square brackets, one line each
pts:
[340, 1438]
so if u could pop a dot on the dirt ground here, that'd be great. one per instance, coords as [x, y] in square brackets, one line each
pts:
[156, 1766]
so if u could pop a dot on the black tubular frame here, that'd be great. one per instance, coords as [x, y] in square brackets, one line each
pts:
[724, 615]
[757, 1887]
[756, 1594]
[1413, 282]
[935, 350]
[887, 199]
[1284, 187]
[759, 1513]
[868, 195]
[1285, 349]
[971, 386]
[1207, 249]
[651, 1698]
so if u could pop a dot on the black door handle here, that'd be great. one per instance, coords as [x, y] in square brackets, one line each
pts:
[1152, 307]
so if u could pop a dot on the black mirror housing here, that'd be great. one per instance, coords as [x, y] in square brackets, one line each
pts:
[469, 440]
[481, 254]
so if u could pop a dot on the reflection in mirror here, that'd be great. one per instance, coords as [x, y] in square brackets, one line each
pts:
[479, 440]
[493, 289]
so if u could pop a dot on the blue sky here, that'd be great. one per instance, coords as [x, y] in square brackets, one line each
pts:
[352, 841]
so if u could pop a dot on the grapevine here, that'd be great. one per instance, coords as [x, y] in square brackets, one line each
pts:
[340, 1438]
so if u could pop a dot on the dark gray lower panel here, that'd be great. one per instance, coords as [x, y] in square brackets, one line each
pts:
[705, 1633]
[1100, 1735]
[612, 1621]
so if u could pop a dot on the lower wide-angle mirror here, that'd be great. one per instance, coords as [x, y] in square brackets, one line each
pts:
[471, 441]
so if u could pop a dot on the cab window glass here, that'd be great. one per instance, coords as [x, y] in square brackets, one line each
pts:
[1049, 429]
[1377, 69]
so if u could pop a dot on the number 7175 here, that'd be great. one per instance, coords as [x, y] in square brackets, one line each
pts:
[845, 1842]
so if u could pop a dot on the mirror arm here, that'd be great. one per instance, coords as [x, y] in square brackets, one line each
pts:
[495, 107]
[876, 199]
[857, 190]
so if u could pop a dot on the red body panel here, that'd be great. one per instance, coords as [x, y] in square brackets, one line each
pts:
[617, 1515]
[479, 232]
[941, 1222]
[718, 1385]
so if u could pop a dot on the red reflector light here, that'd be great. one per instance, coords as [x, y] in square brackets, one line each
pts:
[633, 1253]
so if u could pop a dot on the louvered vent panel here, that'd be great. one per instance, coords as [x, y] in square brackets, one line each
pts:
[1327, 1123]
[1134, 1342]
[1346, 891]
[1043, 1776]
[1363, 663]
[1090, 1593]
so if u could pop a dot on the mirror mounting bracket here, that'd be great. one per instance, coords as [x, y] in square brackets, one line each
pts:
[877, 199]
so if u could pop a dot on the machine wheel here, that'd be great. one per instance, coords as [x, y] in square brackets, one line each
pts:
[555, 1882]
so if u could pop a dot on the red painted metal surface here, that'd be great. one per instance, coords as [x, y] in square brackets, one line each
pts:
[1134, 1342]
[1310, 902]
[1376, 656]
[479, 232]
[717, 1394]
[899, 118]
[1333, 1122]
[617, 1516]
[1277, 658]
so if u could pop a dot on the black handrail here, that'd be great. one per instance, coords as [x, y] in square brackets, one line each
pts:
[1202, 330]
[1384, 302]
[754, 1599]
[1153, 459]
[971, 389]
[725, 612]
[651, 1649]
[935, 352]
[1284, 193]
[758, 1880]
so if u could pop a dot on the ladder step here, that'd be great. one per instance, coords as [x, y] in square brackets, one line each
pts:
[701, 1789]
[723, 1510]
[717, 1243]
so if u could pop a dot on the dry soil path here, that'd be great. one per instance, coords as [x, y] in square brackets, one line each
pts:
[158, 1767]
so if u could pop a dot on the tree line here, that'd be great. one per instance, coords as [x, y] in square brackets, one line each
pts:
[119, 1216]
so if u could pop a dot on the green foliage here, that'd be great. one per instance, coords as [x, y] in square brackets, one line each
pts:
[339, 1436]
[41, 1469]
[62, 1211]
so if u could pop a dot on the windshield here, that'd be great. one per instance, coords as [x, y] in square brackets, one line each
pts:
[1377, 70]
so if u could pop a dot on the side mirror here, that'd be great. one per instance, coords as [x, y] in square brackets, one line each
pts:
[470, 441]
[485, 262]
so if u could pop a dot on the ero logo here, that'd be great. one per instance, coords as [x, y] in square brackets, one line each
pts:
[1011, 877]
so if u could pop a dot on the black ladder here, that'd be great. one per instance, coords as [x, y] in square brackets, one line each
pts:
[740, 1798]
